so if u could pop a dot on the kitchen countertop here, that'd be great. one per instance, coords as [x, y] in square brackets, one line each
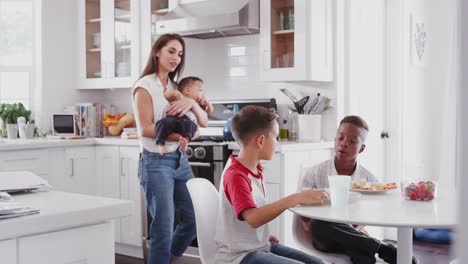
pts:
[60, 211]
[36, 143]
[284, 146]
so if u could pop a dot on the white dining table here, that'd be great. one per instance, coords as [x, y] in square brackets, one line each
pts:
[390, 209]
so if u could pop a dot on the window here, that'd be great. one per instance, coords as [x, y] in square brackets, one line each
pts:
[16, 51]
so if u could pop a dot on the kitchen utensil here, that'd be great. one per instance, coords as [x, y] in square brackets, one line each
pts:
[321, 105]
[311, 104]
[299, 104]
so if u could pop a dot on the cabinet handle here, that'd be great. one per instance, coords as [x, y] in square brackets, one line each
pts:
[72, 168]
[122, 171]
[13, 160]
[266, 58]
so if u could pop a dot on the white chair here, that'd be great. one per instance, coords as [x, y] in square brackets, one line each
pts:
[205, 199]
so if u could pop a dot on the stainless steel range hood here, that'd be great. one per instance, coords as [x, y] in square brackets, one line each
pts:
[230, 23]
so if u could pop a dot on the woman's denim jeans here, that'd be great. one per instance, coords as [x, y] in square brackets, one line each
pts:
[280, 254]
[163, 179]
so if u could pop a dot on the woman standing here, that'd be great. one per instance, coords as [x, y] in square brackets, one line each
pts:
[163, 177]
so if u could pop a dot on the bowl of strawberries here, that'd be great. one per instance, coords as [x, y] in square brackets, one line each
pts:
[424, 190]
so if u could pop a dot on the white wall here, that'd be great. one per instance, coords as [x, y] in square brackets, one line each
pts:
[428, 101]
[462, 238]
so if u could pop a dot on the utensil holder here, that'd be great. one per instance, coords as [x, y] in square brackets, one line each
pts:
[309, 128]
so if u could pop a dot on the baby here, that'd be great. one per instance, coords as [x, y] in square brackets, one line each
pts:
[186, 125]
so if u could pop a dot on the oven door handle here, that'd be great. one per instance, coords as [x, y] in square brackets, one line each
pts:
[200, 164]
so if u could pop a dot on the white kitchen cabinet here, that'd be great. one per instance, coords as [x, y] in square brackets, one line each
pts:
[73, 169]
[130, 190]
[108, 43]
[108, 180]
[8, 251]
[296, 40]
[273, 194]
[85, 245]
[35, 160]
[117, 177]
[281, 176]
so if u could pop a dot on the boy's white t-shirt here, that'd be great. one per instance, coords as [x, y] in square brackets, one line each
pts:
[317, 176]
[153, 85]
[240, 189]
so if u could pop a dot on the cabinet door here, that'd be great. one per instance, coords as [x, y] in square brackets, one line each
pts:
[108, 43]
[34, 160]
[8, 251]
[273, 194]
[320, 40]
[108, 178]
[283, 38]
[81, 170]
[86, 245]
[73, 169]
[272, 169]
[296, 40]
[130, 190]
[291, 171]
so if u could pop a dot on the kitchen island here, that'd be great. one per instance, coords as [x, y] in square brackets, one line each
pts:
[70, 228]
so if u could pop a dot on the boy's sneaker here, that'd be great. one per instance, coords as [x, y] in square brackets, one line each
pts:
[388, 253]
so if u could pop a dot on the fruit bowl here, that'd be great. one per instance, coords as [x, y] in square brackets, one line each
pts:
[419, 191]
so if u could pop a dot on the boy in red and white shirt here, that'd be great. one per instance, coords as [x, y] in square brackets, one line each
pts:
[242, 233]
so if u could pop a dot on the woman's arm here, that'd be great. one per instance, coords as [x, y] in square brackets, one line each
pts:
[179, 108]
[144, 112]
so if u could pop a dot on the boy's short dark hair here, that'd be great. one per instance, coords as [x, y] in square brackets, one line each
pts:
[250, 120]
[187, 81]
[355, 120]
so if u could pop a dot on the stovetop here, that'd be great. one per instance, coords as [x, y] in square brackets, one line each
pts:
[217, 139]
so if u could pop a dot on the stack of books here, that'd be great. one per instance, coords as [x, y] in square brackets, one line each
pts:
[88, 118]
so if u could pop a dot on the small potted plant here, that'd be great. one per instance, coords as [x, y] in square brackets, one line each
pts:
[9, 114]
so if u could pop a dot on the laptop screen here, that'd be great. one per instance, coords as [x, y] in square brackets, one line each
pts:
[64, 123]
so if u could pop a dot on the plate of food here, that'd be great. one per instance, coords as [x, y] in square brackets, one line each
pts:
[372, 187]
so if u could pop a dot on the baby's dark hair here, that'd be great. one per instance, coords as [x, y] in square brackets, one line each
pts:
[187, 81]
[355, 120]
[250, 120]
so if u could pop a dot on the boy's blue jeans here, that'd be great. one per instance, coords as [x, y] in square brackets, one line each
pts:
[163, 179]
[280, 254]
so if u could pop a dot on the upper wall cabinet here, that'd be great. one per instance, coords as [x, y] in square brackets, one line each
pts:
[296, 40]
[108, 43]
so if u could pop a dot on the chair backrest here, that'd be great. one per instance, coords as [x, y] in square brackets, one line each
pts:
[205, 199]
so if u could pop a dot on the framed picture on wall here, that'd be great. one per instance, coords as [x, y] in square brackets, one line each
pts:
[418, 41]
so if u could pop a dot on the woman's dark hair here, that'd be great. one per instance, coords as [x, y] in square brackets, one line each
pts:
[250, 120]
[152, 66]
[355, 120]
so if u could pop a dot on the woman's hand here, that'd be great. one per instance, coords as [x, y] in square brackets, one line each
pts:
[180, 107]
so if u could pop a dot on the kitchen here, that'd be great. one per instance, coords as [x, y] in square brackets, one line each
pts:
[233, 65]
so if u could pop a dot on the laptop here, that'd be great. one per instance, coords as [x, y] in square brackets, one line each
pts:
[63, 125]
